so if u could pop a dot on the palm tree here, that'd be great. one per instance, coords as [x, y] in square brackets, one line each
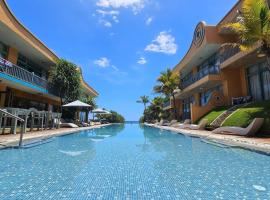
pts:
[168, 83]
[253, 27]
[144, 100]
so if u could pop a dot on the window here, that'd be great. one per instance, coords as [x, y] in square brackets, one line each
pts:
[28, 65]
[3, 50]
[205, 97]
[212, 63]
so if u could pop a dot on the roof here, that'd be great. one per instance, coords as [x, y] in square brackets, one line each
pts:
[52, 55]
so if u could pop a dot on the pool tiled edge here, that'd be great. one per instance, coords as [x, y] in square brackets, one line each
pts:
[260, 145]
[9, 141]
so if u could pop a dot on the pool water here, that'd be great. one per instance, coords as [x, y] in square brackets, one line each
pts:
[132, 162]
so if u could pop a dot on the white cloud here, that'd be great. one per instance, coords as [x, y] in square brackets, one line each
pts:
[149, 21]
[102, 62]
[115, 68]
[105, 23]
[135, 5]
[107, 17]
[142, 61]
[164, 43]
[109, 12]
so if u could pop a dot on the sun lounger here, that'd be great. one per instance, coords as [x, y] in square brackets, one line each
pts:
[170, 123]
[182, 125]
[251, 130]
[200, 126]
[68, 125]
[161, 123]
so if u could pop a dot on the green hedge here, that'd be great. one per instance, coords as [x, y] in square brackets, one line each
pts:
[211, 116]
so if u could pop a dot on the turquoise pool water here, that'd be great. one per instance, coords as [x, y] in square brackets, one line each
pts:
[132, 162]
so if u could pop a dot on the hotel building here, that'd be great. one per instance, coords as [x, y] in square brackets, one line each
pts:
[213, 72]
[24, 65]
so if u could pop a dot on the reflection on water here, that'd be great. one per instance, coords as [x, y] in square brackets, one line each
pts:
[132, 162]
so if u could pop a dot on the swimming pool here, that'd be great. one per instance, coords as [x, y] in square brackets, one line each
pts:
[132, 162]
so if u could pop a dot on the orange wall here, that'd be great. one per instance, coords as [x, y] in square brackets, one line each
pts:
[12, 55]
[198, 111]
[234, 83]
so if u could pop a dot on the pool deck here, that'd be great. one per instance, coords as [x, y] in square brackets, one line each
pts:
[261, 145]
[12, 140]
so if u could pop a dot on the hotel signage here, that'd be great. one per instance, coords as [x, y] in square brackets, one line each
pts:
[199, 34]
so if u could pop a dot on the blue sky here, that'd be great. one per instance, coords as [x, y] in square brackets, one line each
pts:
[121, 45]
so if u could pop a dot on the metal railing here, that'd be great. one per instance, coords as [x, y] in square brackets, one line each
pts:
[201, 74]
[4, 113]
[11, 69]
[228, 53]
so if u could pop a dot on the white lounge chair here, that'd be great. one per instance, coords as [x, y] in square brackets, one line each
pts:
[182, 125]
[68, 125]
[170, 123]
[251, 130]
[161, 123]
[200, 126]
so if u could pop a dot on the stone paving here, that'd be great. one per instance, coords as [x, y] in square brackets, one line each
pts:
[252, 143]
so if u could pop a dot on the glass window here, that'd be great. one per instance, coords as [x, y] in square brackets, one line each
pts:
[3, 50]
[28, 65]
[205, 97]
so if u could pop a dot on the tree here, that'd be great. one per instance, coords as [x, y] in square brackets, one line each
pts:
[144, 100]
[65, 79]
[168, 82]
[253, 27]
[114, 117]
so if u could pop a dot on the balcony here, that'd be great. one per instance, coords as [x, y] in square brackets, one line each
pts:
[14, 71]
[228, 53]
[214, 70]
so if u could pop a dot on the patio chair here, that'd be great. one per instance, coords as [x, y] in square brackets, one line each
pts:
[67, 125]
[186, 123]
[251, 130]
[161, 123]
[170, 123]
[200, 126]
[37, 116]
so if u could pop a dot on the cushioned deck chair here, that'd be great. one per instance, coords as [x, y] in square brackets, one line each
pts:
[161, 123]
[68, 125]
[251, 130]
[170, 123]
[186, 123]
[200, 126]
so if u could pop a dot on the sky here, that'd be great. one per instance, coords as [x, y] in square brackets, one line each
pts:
[121, 45]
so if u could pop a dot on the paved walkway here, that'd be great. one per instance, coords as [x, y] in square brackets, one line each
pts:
[13, 139]
[251, 143]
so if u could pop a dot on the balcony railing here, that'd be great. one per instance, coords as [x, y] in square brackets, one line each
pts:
[228, 53]
[9, 68]
[201, 74]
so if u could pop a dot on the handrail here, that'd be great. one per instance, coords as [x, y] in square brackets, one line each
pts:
[198, 76]
[18, 72]
[17, 118]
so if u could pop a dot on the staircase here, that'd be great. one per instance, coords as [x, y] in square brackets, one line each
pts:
[220, 119]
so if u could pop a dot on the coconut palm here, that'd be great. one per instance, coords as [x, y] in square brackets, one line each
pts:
[168, 82]
[144, 100]
[253, 27]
